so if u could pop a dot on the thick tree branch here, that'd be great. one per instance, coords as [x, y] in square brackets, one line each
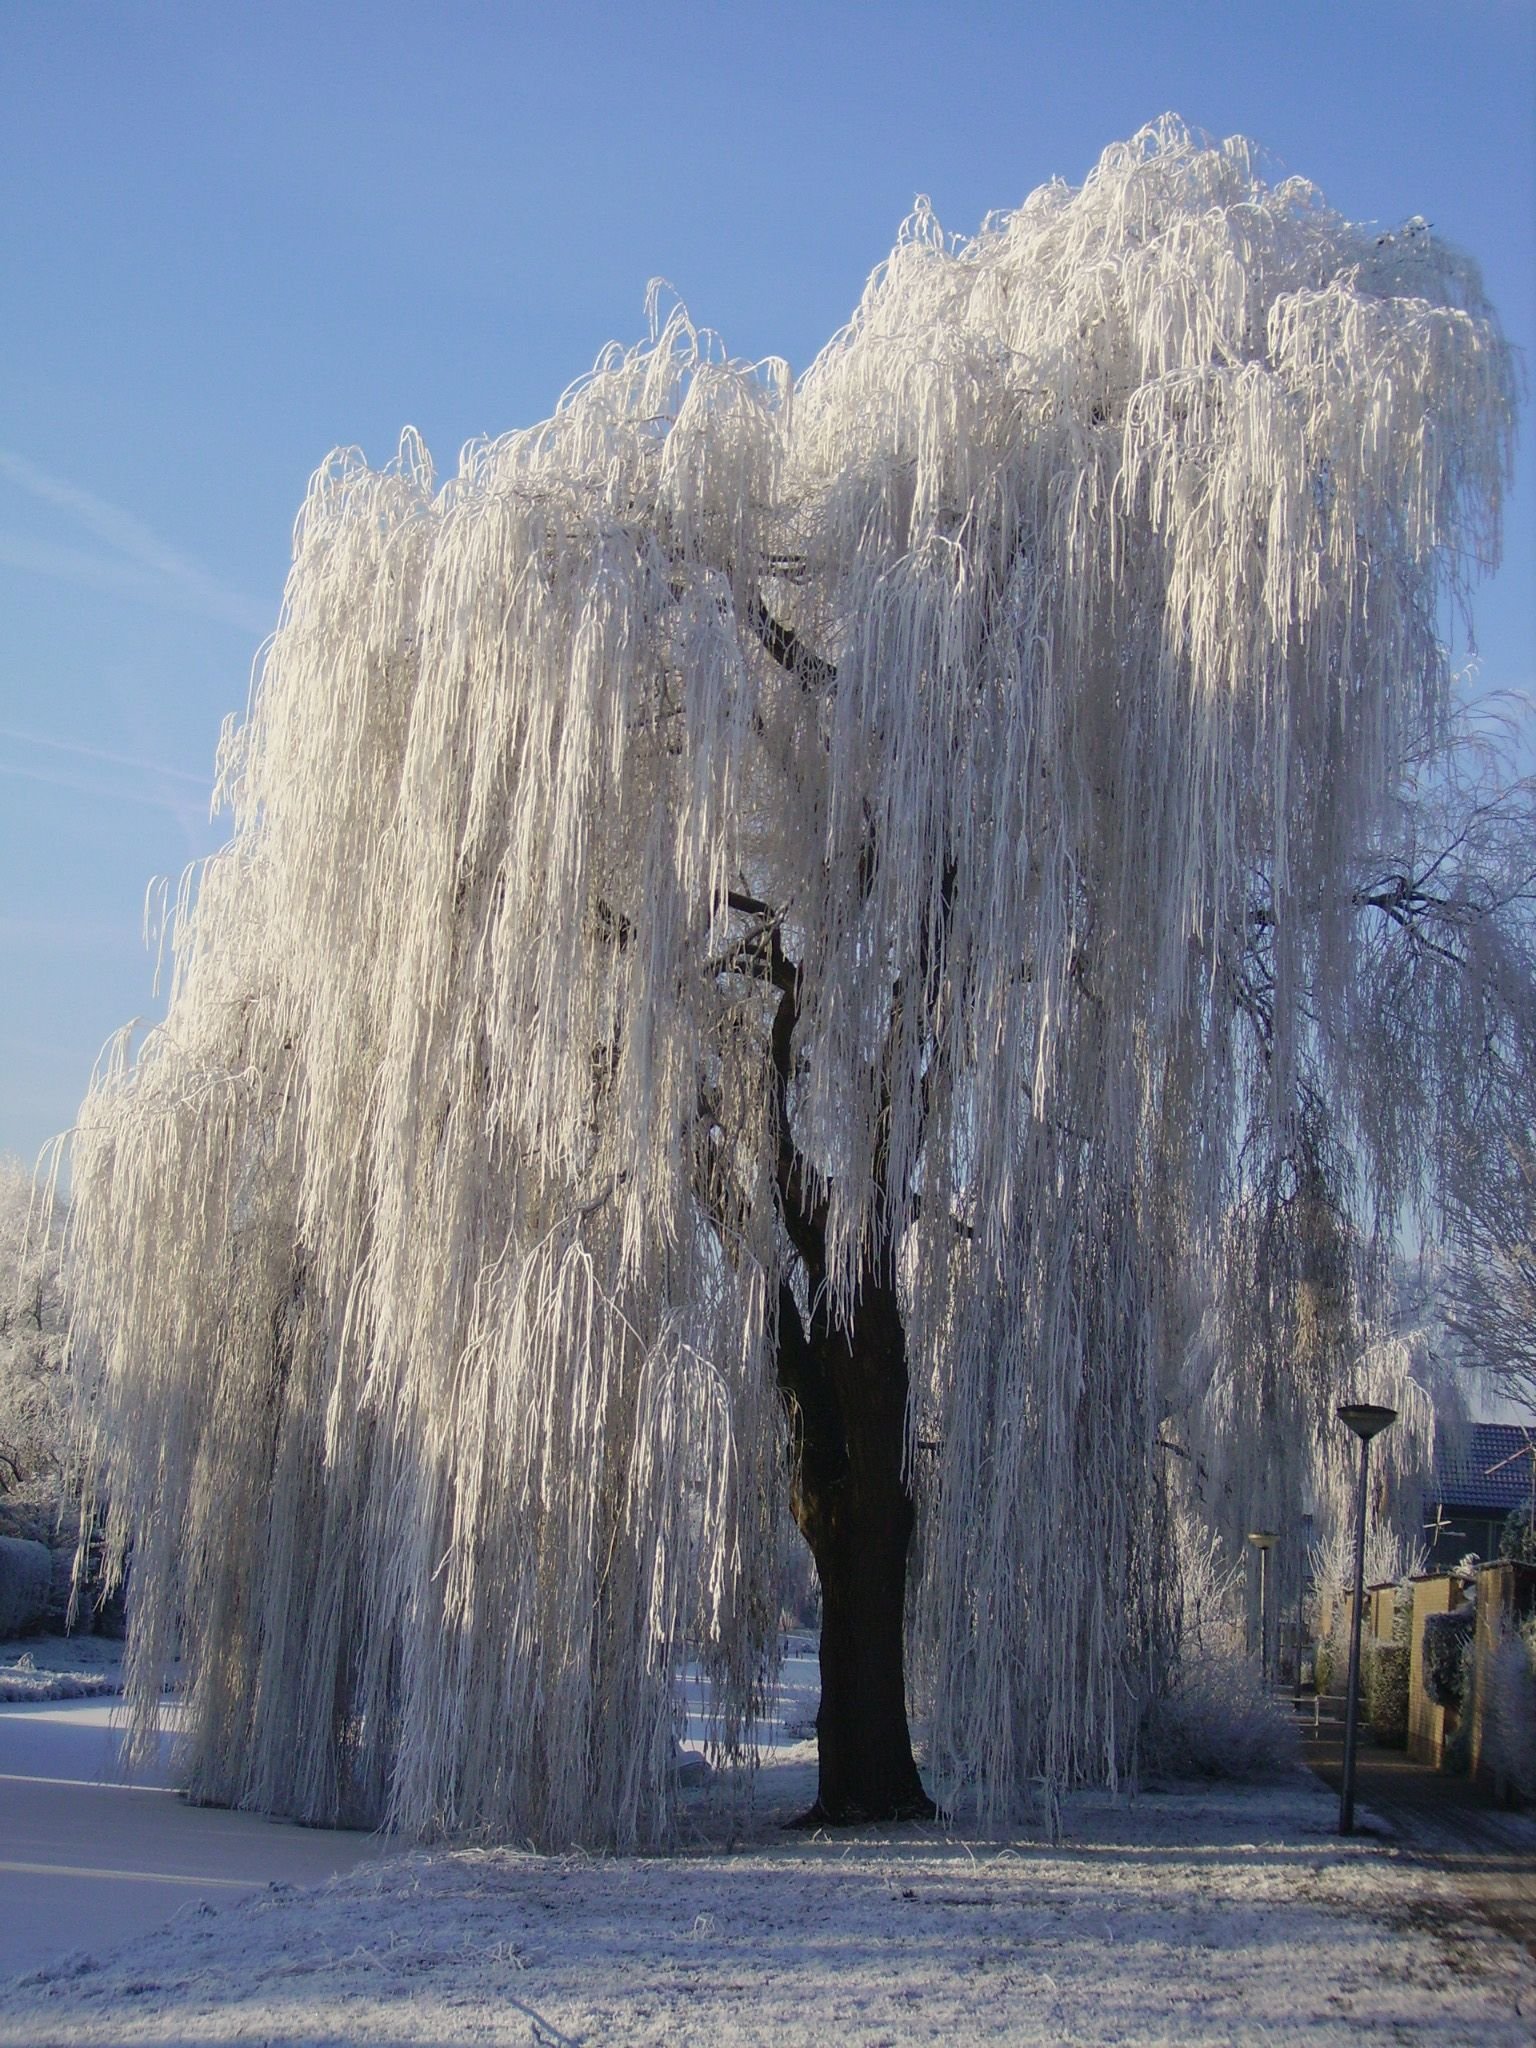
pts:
[805, 1214]
[784, 645]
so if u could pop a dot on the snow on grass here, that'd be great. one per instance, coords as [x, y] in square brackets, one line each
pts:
[1189, 1918]
[60, 1667]
[1185, 1917]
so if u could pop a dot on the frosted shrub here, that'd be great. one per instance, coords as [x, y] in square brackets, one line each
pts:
[1384, 1683]
[1218, 1719]
[1509, 1713]
[1209, 1593]
[1447, 1656]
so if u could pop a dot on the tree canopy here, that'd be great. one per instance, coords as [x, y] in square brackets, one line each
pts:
[749, 859]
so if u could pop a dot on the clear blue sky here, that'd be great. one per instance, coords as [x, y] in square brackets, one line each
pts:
[238, 234]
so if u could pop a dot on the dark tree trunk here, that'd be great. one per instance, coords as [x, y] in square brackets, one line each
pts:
[846, 1389]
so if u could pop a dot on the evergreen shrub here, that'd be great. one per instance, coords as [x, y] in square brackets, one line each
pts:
[1384, 1688]
[1447, 1654]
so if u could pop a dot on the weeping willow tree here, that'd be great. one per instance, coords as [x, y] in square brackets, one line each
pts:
[771, 928]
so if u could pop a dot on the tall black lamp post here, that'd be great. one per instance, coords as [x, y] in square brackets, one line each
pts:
[1263, 1542]
[1366, 1421]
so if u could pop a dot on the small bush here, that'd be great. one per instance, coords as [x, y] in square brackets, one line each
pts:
[1447, 1656]
[1218, 1719]
[1323, 1668]
[1384, 1684]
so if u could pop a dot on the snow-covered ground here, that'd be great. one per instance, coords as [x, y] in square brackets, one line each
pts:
[90, 1860]
[1186, 1918]
[1236, 1917]
[60, 1668]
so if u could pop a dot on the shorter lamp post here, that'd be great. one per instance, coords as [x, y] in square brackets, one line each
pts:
[1263, 1541]
[1301, 1593]
[1366, 1421]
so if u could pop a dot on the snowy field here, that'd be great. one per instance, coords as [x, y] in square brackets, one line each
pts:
[91, 1859]
[59, 1668]
[1182, 1918]
[1230, 1918]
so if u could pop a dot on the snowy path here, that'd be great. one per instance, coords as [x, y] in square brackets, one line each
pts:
[87, 1861]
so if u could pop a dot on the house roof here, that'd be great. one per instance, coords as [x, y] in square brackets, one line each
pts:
[1488, 1471]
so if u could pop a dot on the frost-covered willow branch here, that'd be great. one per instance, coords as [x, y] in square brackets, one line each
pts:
[34, 1419]
[1021, 687]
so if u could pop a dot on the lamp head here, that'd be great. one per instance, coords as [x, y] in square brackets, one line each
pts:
[1261, 1539]
[1365, 1419]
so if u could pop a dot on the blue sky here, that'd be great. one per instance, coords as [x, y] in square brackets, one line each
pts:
[237, 235]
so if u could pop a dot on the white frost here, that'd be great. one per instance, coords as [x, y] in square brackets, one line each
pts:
[1239, 1918]
[428, 1255]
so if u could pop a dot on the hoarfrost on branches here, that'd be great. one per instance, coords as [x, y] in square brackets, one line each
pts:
[928, 834]
[34, 1410]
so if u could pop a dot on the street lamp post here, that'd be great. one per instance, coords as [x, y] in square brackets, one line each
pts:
[1366, 1421]
[1263, 1541]
[1301, 1594]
